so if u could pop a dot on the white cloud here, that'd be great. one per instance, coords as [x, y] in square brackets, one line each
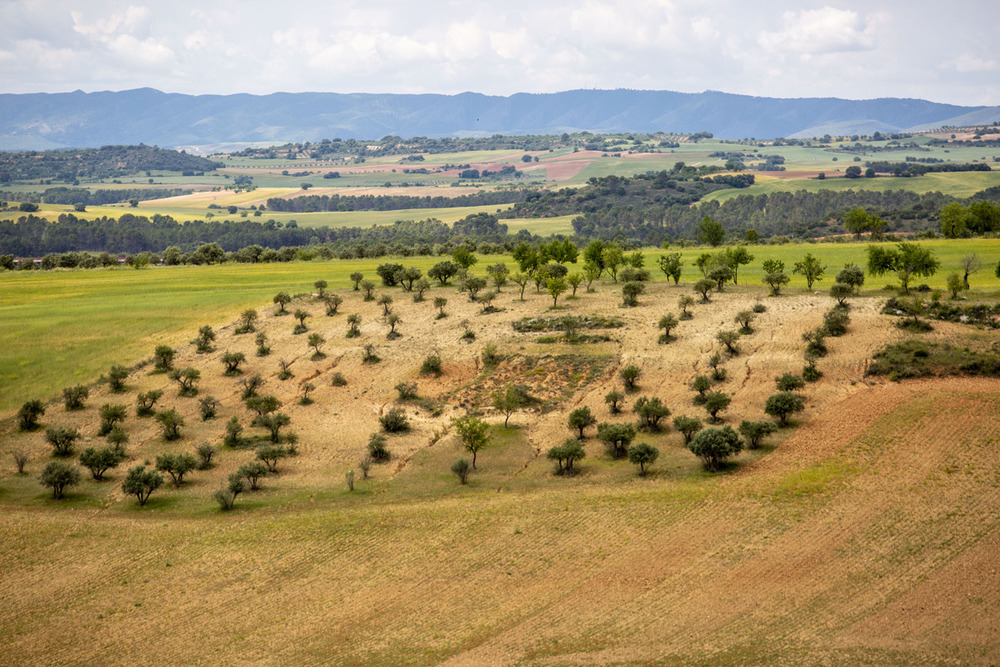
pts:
[967, 62]
[819, 31]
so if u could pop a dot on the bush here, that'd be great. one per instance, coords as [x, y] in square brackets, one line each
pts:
[338, 380]
[208, 407]
[431, 365]
[715, 444]
[163, 358]
[630, 376]
[643, 455]
[407, 390]
[490, 355]
[395, 421]
[171, 422]
[59, 476]
[461, 468]
[835, 322]
[62, 438]
[205, 453]
[378, 448]
[73, 397]
[27, 416]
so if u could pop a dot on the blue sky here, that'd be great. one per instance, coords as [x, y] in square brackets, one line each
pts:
[945, 53]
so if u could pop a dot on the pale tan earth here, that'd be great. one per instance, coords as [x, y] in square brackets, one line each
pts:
[868, 533]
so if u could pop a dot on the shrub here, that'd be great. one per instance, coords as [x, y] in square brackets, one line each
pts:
[227, 497]
[59, 476]
[490, 355]
[630, 293]
[715, 444]
[461, 468]
[431, 365]
[203, 342]
[163, 358]
[755, 431]
[262, 347]
[116, 379]
[835, 322]
[643, 455]
[407, 390]
[395, 421]
[815, 343]
[338, 380]
[141, 483]
[783, 404]
[566, 454]
[234, 430]
[745, 318]
[616, 438]
[285, 373]
[205, 453]
[208, 407]
[729, 338]
[20, 460]
[62, 438]
[369, 356]
[73, 397]
[27, 416]
[668, 322]
[378, 448]
[630, 376]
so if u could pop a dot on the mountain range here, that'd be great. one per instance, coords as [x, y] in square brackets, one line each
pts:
[38, 121]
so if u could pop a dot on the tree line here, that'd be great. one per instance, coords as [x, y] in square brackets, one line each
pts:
[96, 163]
[314, 203]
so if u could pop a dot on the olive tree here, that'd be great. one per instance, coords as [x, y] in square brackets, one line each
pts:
[651, 411]
[688, 426]
[616, 438]
[62, 439]
[566, 454]
[714, 445]
[27, 416]
[140, 483]
[784, 404]
[755, 431]
[58, 476]
[580, 419]
[643, 455]
[171, 422]
[176, 465]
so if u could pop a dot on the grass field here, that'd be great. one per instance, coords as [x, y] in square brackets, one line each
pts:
[67, 327]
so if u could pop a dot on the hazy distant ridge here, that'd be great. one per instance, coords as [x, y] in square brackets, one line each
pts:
[78, 119]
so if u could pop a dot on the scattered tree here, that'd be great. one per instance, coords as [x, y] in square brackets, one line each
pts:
[907, 261]
[378, 448]
[431, 365]
[111, 414]
[710, 232]
[419, 288]
[282, 299]
[186, 379]
[715, 444]
[508, 401]
[141, 483]
[684, 303]
[789, 382]
[176, 465]
[783, 404]
[232, 361]
[58, 476]
[145, 402]
[616, 438]
[580, 419]
[810, 268]
[247, 320]
[204, 340]
[74, 397]
[701, 384]
[20, 460]
[171, 422]
[251, 386]
[852, 275]
[703, 287]
[62, 438]
[474, 434]
[353, 325]
[716, 402]
[730, 340]
[271, 455]
[841, 292]
[630, 376]
[643, 455]
[116, 379]
[671, 266]
[755, 431]
[395, 421]
[163, 358]
[27, 416]
[613, 398]
[205, 453]
[356, 278]
[566, 454]
[970, 264]
[630, 293]
[955, 284]
[263, 349]
[369, 289]
[688, 426]
[273, 423]
[316, 341]
[650, 411]
[98, 461]
[320, 286]
[775, 276]
[745, 319]
[234, 430]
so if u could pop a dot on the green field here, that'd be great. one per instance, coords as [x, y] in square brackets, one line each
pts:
[67, 327]
[957, 184]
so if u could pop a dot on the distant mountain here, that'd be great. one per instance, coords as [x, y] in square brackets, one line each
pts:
[79, 120]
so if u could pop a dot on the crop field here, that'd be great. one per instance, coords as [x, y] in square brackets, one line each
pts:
[865, 532]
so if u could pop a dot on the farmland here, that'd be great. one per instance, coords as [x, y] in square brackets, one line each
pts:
[845, 539]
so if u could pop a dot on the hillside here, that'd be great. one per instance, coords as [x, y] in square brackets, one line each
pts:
[78, 119]
[848, 538]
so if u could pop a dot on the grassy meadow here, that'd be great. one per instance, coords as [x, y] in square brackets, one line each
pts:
[68, 327]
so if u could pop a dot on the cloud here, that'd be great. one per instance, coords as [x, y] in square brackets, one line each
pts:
[819, 31]
[967, 62]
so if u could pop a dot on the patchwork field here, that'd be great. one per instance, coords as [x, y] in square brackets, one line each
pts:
[865, 533]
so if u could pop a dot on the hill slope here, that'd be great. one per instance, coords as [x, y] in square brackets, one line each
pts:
[78, 119]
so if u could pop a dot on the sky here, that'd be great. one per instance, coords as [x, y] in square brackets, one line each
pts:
[944, 52]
